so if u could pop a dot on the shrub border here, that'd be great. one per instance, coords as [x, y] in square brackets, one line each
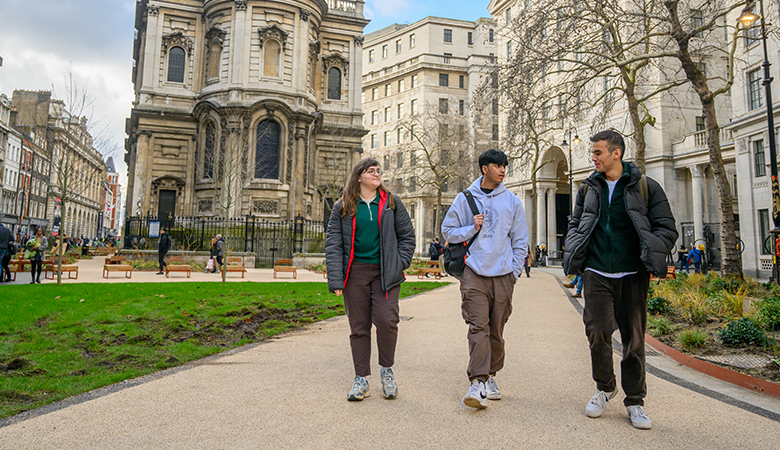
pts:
[721, 373]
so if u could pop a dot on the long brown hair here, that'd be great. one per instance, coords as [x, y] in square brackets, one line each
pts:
[352, 191]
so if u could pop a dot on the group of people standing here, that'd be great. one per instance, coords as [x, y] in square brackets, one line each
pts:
[34, 248]
[621, 230]
[216, 252]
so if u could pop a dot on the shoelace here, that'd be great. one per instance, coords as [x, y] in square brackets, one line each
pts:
[640, 412]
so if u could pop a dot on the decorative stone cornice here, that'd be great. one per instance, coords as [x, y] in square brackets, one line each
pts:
[305, 14]
[215, 34]
[334, 59]
[240, 5]
[274, 32]
[359, 40]
[152, 10]
[178, 38]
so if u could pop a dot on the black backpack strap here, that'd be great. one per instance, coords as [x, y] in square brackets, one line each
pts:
[475, 210]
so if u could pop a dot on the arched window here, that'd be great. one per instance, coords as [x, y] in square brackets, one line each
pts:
[334, 84]
[176, 65]
[267, 151]
[271, 58]
[215, 54]
[208, 150]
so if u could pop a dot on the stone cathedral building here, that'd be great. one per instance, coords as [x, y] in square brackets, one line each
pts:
[282, 77]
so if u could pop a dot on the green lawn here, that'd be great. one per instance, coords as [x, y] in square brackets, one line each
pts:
[57, 342]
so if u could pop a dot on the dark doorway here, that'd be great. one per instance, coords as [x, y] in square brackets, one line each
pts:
[167, 209]
[561, 218]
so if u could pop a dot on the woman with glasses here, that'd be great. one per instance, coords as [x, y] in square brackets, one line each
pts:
[370, 241]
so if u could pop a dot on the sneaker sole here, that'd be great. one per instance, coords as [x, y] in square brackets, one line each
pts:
[642, 426]
[494, 397]
[354, 398]
[474, 403]
[601, 413]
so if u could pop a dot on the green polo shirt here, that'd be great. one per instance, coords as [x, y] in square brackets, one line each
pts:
[367, 231]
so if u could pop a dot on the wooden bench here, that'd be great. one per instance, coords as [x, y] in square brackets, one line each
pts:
[14, 270]
[671, 273]
[102, 251]
[235, 264]
[435, 270]
[178, 268]
[51, 271]
[116, 259]
[126, 268]
[285, 265]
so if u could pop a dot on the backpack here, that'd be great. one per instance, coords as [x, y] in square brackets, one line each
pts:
[455, 254]
[433, 252]
[642, 189]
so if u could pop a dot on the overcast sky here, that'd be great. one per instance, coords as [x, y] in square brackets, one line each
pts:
[41, 39]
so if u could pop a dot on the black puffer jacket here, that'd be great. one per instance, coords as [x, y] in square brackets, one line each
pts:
[653, 222]
[396, 244]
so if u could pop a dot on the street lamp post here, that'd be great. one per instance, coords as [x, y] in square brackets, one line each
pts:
[576, 141]
[747, 18]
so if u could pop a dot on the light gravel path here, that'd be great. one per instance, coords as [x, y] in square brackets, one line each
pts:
[290, 392]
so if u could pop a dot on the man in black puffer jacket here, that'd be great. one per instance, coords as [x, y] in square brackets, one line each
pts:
[621, 231]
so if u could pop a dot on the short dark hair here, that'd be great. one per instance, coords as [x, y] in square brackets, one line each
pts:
[496, 157]
[614, 140]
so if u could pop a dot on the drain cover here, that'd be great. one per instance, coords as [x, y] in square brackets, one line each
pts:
[742, 361]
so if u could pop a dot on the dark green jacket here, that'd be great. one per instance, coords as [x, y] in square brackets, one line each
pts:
[652, 220]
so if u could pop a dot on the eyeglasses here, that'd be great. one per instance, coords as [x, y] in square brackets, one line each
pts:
[376, 172]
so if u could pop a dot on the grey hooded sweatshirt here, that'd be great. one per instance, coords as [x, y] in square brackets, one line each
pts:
[502, 243]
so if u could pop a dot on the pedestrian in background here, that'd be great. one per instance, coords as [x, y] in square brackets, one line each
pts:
[621, 230]
[5, 241]
[695, 257]
[219, 252]
[529, 259]
[36, 249]
[682, 258]
[162, 249]
[369, 243]
[494, 262]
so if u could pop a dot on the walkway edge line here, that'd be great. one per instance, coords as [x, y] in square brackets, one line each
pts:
[721, 373]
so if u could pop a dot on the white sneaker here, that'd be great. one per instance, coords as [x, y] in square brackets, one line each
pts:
[639, 417]
[476, 398]
[491, 387]
[598, 403]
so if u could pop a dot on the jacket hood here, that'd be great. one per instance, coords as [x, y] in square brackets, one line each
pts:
[476, 191]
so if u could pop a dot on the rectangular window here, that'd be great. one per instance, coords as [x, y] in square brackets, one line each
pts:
[444, 106]
[398, 46]
[495, 106]
[400, 85]
[411, 133]
[384, 51]
[448, 36]
[508, 15]
[412, 211]
[399, 135]
[399, 157]
[387, 114]
[399, 183]
[400, 110]
[763, 218]
[755, 99]
[447, 57]
[414, 106]
[363, 97]
[490, 35]
[373, 141]
[461, 107]
[758, 150]
[700, 126]
[413, 184]
[697, 20]
[411, 41]
[374, 117]
[444, 79]
[387, 138]
[495, 132]
[370, 56]
[374, 93]
[387, 90]
[414, 81]
[387, 163]
[413, 158]
[510, 170]
[471, 38]
[461, 81]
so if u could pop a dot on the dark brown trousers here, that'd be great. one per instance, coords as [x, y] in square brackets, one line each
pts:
[367, 303]
[486, 304]
[617, 303]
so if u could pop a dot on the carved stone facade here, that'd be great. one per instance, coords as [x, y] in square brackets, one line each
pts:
[254, 78]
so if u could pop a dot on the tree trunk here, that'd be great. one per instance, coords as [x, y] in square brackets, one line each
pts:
[636, 121]
[439, 215]
[60, 241]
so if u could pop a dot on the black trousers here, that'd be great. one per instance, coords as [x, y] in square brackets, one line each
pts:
[161, 259]
[617, 303]
[5, 274]
[36, 266]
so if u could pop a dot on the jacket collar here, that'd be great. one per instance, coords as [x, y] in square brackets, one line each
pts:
[630, 170]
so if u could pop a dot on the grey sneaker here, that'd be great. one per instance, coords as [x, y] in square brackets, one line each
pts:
[389, 388]
[598, 403]
[476, 398]
[491, 387]
[359, 390]
[639, 417]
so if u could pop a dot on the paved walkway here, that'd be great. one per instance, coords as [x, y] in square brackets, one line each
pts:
[290, 392]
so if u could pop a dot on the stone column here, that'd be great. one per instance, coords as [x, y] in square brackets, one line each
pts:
[541, 219]
[697, 173]
[140, 181]
[237, 47]
[151, 58]
[552, 223]
[301, 51]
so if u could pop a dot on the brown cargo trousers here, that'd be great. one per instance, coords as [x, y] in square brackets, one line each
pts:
[367, 303]
[486, 304]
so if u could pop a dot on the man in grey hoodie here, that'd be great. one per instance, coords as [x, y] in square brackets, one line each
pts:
[494, 262]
